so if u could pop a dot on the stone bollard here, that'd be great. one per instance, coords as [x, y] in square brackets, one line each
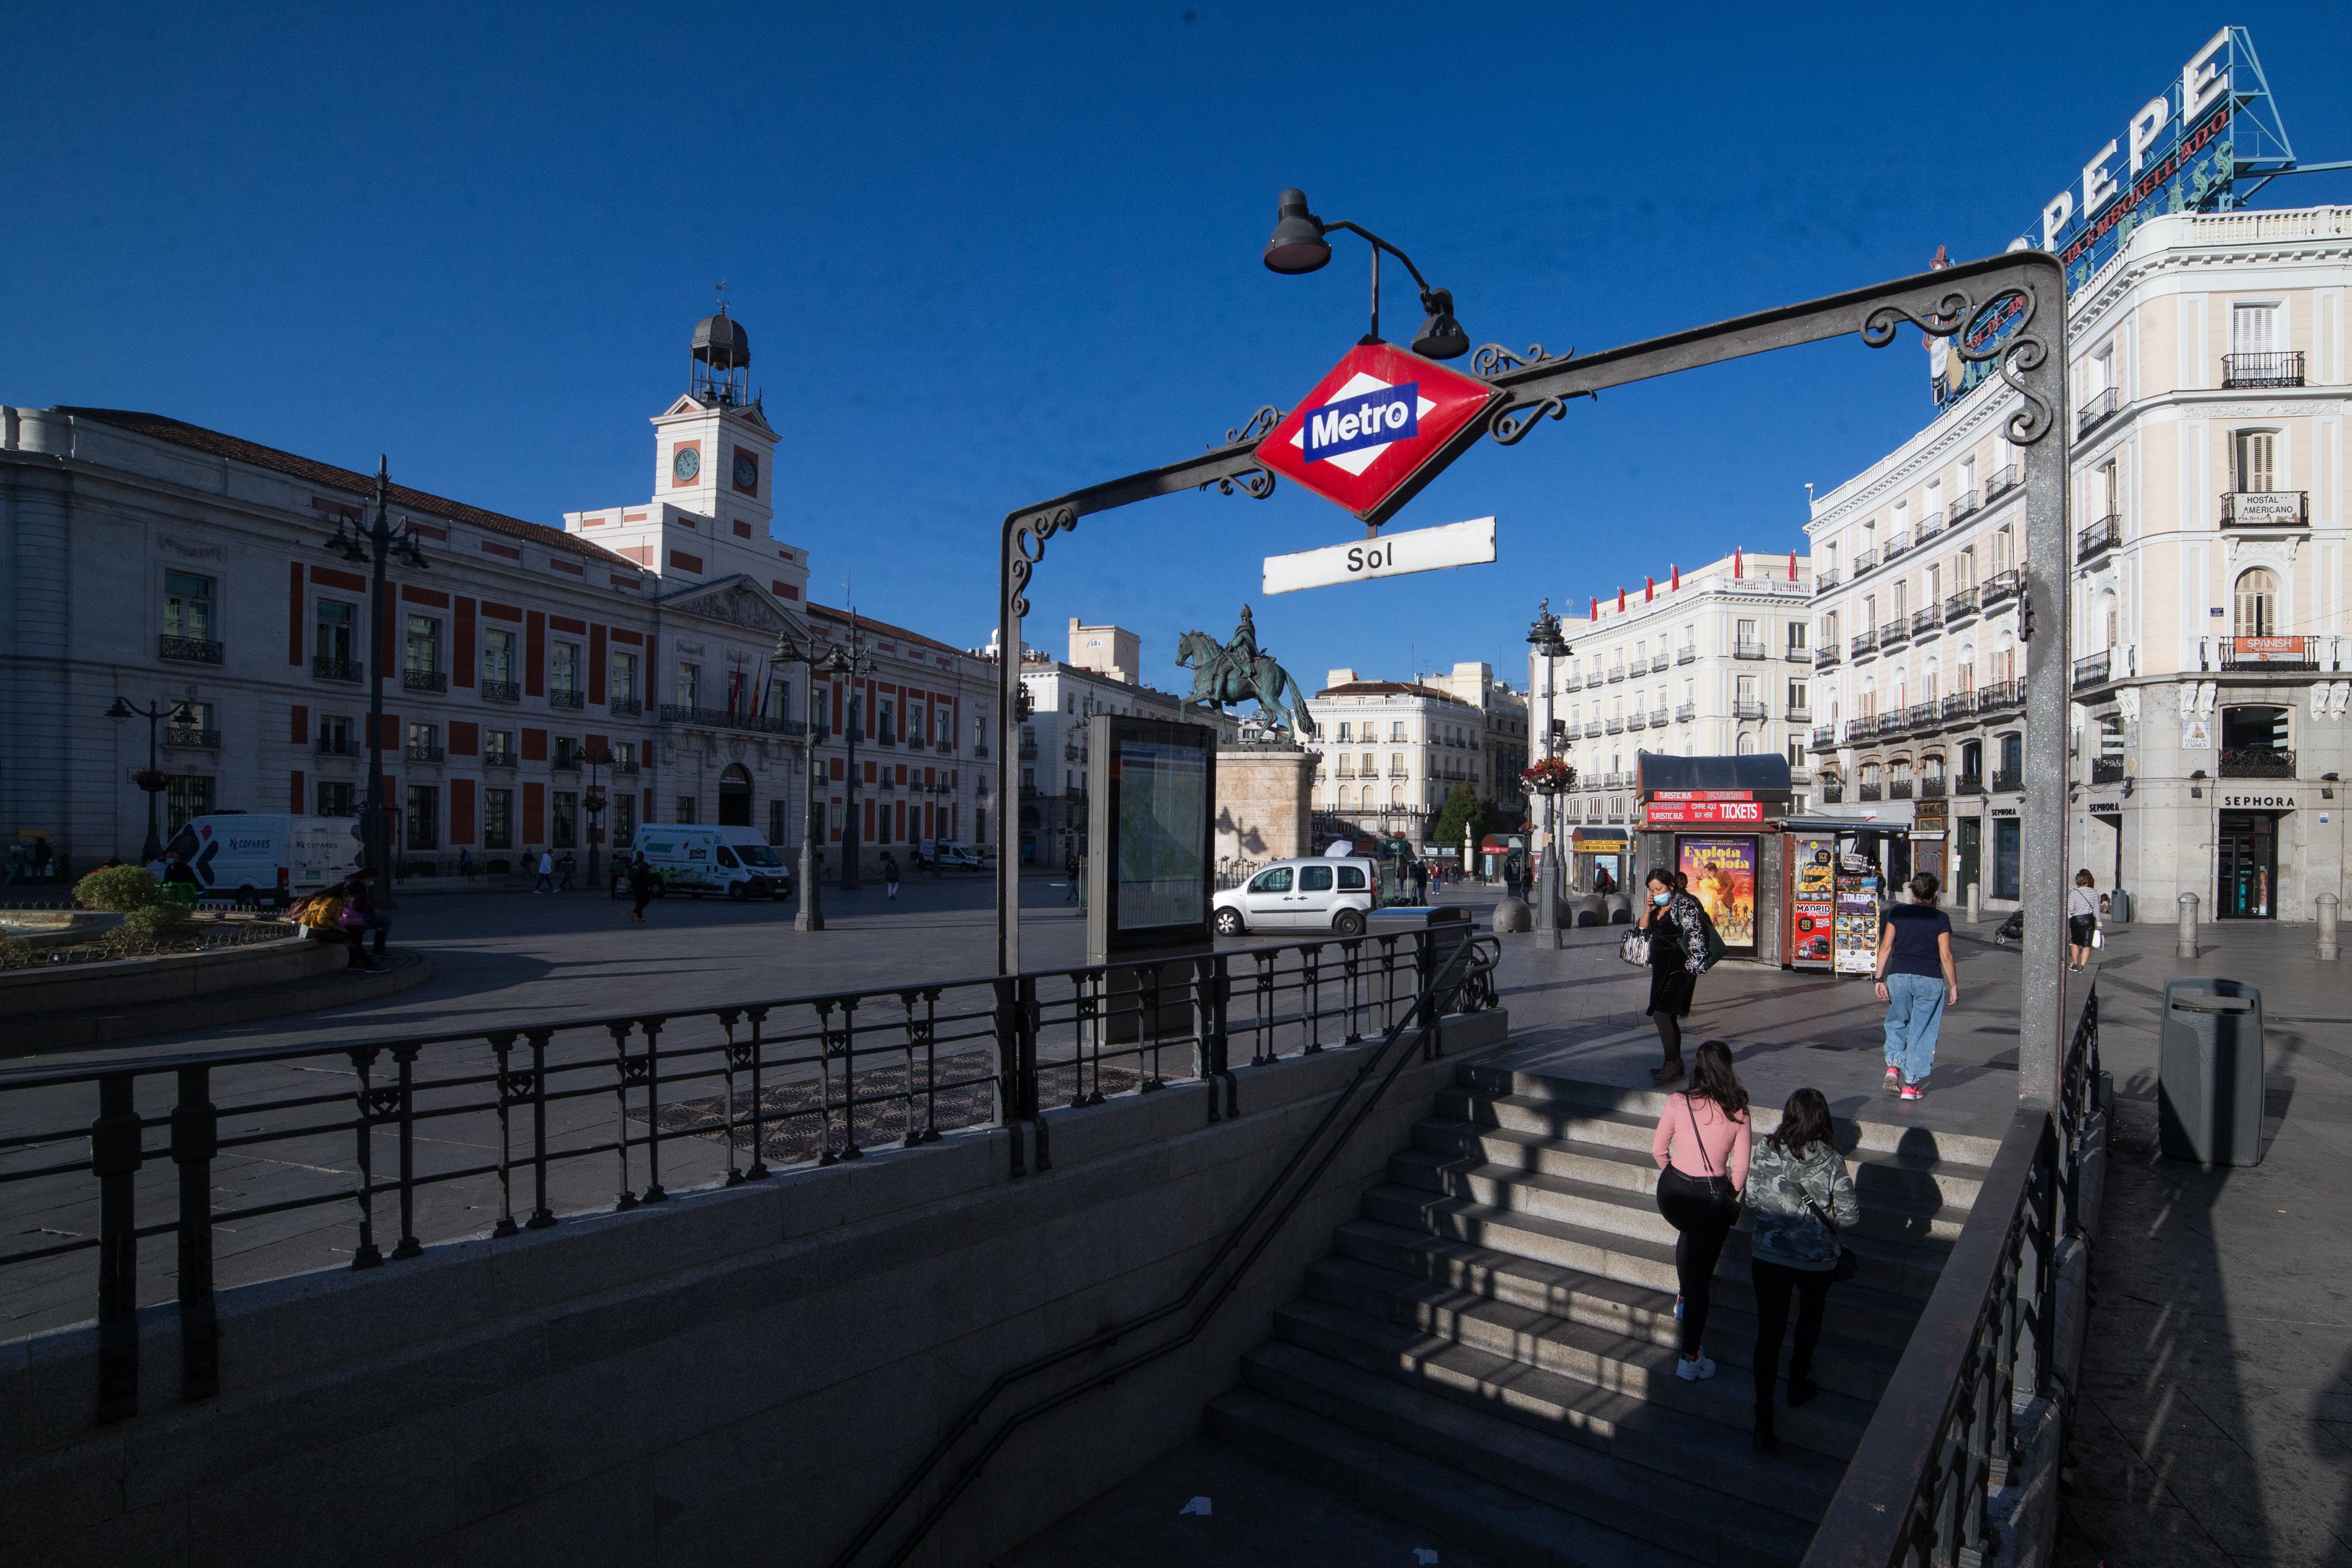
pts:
[2188, 945]
[1973, 891]
[2329, 905]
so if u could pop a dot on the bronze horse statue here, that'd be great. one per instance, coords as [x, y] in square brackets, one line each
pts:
[1219, 678]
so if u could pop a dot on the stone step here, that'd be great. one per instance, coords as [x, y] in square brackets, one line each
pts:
[1655, 1507]
[1895, 1280]
[1891, 1223]
[1706, 1451]
[1413, 1287]
[1647, 1105]
[1512, 1123]
[1484, 1515]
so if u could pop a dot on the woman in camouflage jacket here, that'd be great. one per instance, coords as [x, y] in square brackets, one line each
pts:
[1795, 1178]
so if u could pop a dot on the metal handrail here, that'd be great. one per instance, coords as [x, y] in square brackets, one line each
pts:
[1943, 1436]
[1468, 966]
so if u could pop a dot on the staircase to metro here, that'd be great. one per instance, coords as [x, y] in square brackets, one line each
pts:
[1489, 1350]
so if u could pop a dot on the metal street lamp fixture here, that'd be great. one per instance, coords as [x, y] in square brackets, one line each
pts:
[1297, 245]
[1544, 636]
[851, 661]
[371, 547]
[153, 781]
[812, 656]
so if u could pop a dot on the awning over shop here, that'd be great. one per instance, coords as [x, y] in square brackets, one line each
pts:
[1861, 816]
[1601, 841]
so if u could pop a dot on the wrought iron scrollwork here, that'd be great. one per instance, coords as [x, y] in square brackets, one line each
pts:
[2020, 350]
[1029, 536]
[1260, 425]
[1511, 421]
[1255, 483]
[1492, 358]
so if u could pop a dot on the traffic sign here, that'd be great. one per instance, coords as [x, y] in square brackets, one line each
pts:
[1378, 427]
[1391, 555]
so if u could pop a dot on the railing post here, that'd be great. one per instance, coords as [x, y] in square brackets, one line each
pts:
[626, 1199]
[408, 1245]
[652, 1075]
[541, 1216]
[370, 1103]
[731, 1056]
[757, 1169]
[115, 1156]
[511, 1087]
[196, 1139]
[1009, 1078]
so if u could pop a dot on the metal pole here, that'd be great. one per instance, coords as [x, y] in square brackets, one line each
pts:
[2186, 946]
[809, 916]
[1009, 610]
[855, 715]
[2046, 872]
[379, 537]
[154, 766]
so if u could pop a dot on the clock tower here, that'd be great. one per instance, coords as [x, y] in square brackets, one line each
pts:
[714, 477]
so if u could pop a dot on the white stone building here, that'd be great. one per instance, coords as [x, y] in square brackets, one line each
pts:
[1712, 662]
[158, 561]
[1388, 752]
[2209, 390]
[1100, 676]
[1506, 730]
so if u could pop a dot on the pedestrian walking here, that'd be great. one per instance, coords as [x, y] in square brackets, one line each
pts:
[464, 862]
[1677, 929]
[1916, 981]
[889, 875]
[1070, 870]
[1799, 1198]
[1420, 881]
[546, 872]
[563, 870]
[641, 886]
[1701, 1145]
[2081, 919]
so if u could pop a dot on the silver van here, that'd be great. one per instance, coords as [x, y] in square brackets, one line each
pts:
[1325, 894]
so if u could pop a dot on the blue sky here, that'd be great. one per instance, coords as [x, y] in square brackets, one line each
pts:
[986, 256]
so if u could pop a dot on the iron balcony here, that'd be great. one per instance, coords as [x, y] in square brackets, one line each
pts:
[574, 700]
[1898, 789]
[1833, 793]
[567, 759]
[627, 707]
[2266, 509]
[1864, 644]
[2001, 694]
[1685, 713]
[337, 746]
[2004, 479]
[2257, 762]
[497, 759]
[1865, 561]
[1960, 606]
[2097, 411]
[1871, 792]
[1931, 787]
[500, 691]
[1572, 684]
[424, 681]
[1959, 705]
[2091, 670]
[1637, 720]
[1927, 528]
[2106, 770]
[1969, 784]
[624, 766]
[1897, 543]
[2266, 369]
[190, 650]
[2275, 655]
[2006, 781]
[1963, 504]
[1927, 621]
[325, 669]
[420, 752]
[1657, 663]
[1616, 675]
[2104, 535]
[1824, 657]
[2001, 585]
[1824, 738]
[1658, 717]
[1797, 654]
[722, 719]
[1895, 631]
[1746, 708]
[1592, 726]
[1920, 716]
[189, 739]
[1746, 649]
[1686, 655]
[1824, 581]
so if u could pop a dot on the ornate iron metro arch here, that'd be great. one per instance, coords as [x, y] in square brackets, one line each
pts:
[2032, 359]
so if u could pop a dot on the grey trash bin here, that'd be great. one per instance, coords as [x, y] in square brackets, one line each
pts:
[2119, 907]
[2208, 1091]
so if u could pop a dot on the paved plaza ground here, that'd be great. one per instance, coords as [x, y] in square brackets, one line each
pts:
[2217, 1399]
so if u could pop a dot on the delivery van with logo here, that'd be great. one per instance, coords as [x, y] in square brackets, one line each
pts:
[255, 856]
[695, 858]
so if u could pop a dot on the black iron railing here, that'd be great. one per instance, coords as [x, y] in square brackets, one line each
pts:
[1824, 738]
[500, 691]
[338, 746]
[191, 650]
[627, 707]
[2098, 407]
[325, 669]
[192, 737]
[2094, 669]
[2003, 478]
[1898, 789]
[1957, 606]
[1968, 784]
[1825, 656]
[1945, 1435]
[725, 719]
[424, 681]
[2265, 370]
[452, 1122]
[1454, 967]
[2106, 770]
[1872, 791]
[2001, 585]
[2257, 762]
[1748, 648]
[573, 699]
[2102, 535]
[2007, 780]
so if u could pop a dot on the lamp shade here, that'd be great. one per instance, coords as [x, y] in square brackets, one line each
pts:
[1441, 336]
[1297, 244]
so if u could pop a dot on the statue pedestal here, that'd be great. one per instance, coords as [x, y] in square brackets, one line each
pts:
[1265, 797]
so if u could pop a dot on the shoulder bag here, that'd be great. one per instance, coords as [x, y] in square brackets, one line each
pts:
[1721, 1194]
[1847, 1264]
[1635, 948]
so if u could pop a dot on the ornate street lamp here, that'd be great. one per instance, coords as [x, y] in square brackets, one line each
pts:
[152, 778]
[1549, 778]
[371, 547]
[1298, 246]
[594, 800]
[811, 655]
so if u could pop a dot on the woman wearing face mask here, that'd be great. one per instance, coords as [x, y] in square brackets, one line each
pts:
[1677, 932]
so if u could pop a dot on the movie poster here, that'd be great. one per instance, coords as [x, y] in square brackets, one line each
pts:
[1722, 873]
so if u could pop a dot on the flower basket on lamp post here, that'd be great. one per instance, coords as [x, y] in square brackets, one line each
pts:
[1549, 777]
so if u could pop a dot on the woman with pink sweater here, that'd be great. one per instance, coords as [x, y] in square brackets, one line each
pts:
[1701, 1146]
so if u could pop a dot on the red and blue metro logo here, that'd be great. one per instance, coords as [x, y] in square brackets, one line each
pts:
[1378, 427]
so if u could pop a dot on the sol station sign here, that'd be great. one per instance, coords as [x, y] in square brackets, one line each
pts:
[1380, 424]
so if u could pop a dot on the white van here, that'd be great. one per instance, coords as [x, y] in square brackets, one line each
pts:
[1325, 894]
[695, 858]
[253, 855]
[949, 856]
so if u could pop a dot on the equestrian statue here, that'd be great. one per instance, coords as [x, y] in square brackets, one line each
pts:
[1232, 672]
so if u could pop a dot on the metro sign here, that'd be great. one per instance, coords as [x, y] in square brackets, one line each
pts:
[1376, 428]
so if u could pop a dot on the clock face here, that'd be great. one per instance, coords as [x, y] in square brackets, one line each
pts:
[685, 464]
[747, 473]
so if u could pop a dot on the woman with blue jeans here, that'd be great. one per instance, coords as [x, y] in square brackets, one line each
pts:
[1916, 979]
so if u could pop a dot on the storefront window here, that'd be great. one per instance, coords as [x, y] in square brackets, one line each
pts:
[2008, 836]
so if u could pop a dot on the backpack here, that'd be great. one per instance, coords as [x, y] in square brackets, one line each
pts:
[1716, 951]
[319, 911]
